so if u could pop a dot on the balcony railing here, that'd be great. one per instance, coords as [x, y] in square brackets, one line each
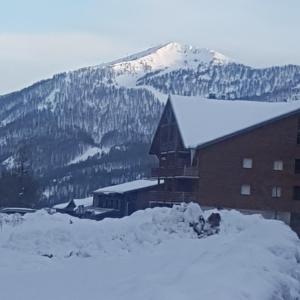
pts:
[175, 172]
[166, 196]
[167, 146]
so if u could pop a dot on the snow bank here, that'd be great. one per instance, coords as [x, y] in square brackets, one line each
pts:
[62, 236]
[153, 254]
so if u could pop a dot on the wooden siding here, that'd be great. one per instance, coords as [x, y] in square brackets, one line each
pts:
[221, 176]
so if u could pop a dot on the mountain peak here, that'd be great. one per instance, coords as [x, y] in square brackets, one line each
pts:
[170, 55]
[204, 55]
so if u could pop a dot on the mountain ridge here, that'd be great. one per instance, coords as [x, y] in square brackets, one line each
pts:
[115, 108]
[216, 58]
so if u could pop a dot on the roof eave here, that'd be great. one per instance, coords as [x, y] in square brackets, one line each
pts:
[125, 192]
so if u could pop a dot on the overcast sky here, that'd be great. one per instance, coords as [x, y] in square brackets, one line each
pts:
[39, 38]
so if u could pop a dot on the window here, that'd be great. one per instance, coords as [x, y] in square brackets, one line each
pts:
[247, 163]
[100, 202]
[116, 204]
[105, 205]
[296, 192]
[245, 189]
[298, 132]
[297, 166]
[111, 203]
[276, 191]
[278, 165]
[295, 219]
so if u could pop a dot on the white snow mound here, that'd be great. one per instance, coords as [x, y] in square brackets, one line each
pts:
[153, 254]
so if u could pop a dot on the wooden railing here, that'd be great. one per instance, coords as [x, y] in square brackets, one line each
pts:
[175, 172]
[167, 146]
[190, 171]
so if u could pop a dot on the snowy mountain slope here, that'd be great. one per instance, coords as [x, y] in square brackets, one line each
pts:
[116, 106]
[134, 257]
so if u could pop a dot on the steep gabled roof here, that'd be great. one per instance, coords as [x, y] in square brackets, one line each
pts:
[203, 121]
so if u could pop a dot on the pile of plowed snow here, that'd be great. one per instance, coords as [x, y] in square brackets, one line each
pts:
[60, 235]
[153, 254]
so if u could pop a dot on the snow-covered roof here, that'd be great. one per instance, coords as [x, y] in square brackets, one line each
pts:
[61, 205]
[127, 186]
[202, 121]
[16, 210]
[84, 201]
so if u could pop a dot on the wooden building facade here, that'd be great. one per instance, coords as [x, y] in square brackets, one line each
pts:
[230, 154]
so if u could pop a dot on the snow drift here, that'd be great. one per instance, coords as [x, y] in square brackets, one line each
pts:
[153, 254]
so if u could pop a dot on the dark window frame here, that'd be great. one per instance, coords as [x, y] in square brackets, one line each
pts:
[298, 131]
[296, 193]
[297, 166]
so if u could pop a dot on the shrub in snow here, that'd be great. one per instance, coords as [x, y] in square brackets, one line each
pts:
[193, 214]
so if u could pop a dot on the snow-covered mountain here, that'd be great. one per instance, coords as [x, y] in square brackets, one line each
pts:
[162, 59]
[114, 108]
[170, 56]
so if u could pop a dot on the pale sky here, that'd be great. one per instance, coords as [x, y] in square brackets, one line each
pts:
[39, 38]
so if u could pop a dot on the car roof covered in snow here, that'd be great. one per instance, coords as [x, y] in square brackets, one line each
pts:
[202, 121]
[127, 186]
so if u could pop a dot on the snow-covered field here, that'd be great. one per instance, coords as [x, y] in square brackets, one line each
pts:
[153, 254]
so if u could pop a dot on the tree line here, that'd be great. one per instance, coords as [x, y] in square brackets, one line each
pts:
[18, 187]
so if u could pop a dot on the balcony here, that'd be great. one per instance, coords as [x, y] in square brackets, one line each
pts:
[166, 196]
[175, 172]
[167, 146]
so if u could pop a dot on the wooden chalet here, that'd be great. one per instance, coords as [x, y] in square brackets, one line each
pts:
[230, 154]
[123, 199]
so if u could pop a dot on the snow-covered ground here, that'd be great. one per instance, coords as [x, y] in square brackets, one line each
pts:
[9, 163]
[88, 153]
[153, 254]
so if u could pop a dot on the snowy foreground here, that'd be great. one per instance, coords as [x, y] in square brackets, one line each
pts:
[153, 254]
